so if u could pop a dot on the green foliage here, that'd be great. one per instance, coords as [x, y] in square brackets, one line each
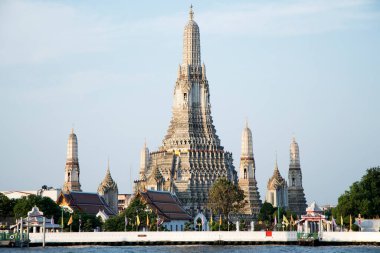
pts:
[6, 206]
[117, 223]
[45, 205]
[266, 213]
[88, 222]
[363, 198]
[189, 226]
[225, 197]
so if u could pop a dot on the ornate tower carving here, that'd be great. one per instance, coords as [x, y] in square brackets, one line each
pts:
[72, 165]
[297, 200]
[109, 191]
[277, 189]
[191, 157]
[247, 174]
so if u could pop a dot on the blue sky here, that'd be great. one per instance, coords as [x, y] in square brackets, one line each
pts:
[108, 68]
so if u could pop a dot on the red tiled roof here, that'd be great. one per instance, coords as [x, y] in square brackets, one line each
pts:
[166, 204]
[89, 203]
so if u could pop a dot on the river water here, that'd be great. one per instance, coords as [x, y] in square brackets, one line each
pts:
[199, 249]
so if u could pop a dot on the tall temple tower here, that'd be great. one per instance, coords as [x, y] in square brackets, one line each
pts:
[191, 157]
[72, 165]
[144, 161]
[297, 200]
[108, 190]
[277, 189]
[247, 174]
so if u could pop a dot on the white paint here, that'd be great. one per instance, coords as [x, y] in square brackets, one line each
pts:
[189, 236]
[193, 236]
[350, 237]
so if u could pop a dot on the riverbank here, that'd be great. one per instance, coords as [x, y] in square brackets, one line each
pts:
[192, 237]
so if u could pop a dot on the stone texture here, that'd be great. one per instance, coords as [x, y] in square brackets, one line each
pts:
[296, 195]
[191, 157]
[72, 165]
[277, 190]
[109, 191]
[247, 174]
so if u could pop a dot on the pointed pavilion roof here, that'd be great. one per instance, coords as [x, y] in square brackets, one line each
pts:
[276, 180]
[108, 183]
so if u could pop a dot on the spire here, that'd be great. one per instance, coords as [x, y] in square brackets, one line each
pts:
[294, 154]
[108, 183]
[72, 164]
[246, 142]
[144, 161]
[72, 147]
[276, 164]
[191, 42]
[191, 13]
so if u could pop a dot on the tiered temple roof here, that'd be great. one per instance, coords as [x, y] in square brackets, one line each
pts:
[165, 204]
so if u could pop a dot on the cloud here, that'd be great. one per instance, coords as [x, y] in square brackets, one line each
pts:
[287, 18]
[39, 32]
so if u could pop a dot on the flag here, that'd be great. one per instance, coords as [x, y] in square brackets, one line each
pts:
[220, 220]
[70, 221]
[52, 220]
[211, 221]
[275, 220]
[333, 221]
[147, 220]
[285, 220]
[291, 220]
[341, 220]
[359, 220]
[137, 220]
[126, 220]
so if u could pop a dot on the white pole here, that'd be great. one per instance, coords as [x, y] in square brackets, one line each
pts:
[21, 228]
[43, 236]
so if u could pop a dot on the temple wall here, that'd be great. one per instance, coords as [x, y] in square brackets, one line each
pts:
[193, 237]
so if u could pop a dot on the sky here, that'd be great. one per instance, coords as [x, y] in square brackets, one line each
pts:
[303, 68]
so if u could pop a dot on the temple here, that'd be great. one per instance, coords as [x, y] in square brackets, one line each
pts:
[109, 191]
[296, 196]
[247, 174]
[277, 190]
[191, 157]
[72, 165]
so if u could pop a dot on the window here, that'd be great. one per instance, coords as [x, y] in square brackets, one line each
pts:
[245, 173]
[293, 182]
[185, 96]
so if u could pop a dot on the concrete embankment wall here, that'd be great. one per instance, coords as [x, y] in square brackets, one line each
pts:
[162, 237]
[233, 237]
[359, 237]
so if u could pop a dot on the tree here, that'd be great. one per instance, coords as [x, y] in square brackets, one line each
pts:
[136, 207]
[362, 198]
[266, 212]
[88, 222]
[44, 204]
[225, 197]
[6, 206]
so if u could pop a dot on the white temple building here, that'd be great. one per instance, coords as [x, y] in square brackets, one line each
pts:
[277, 190]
